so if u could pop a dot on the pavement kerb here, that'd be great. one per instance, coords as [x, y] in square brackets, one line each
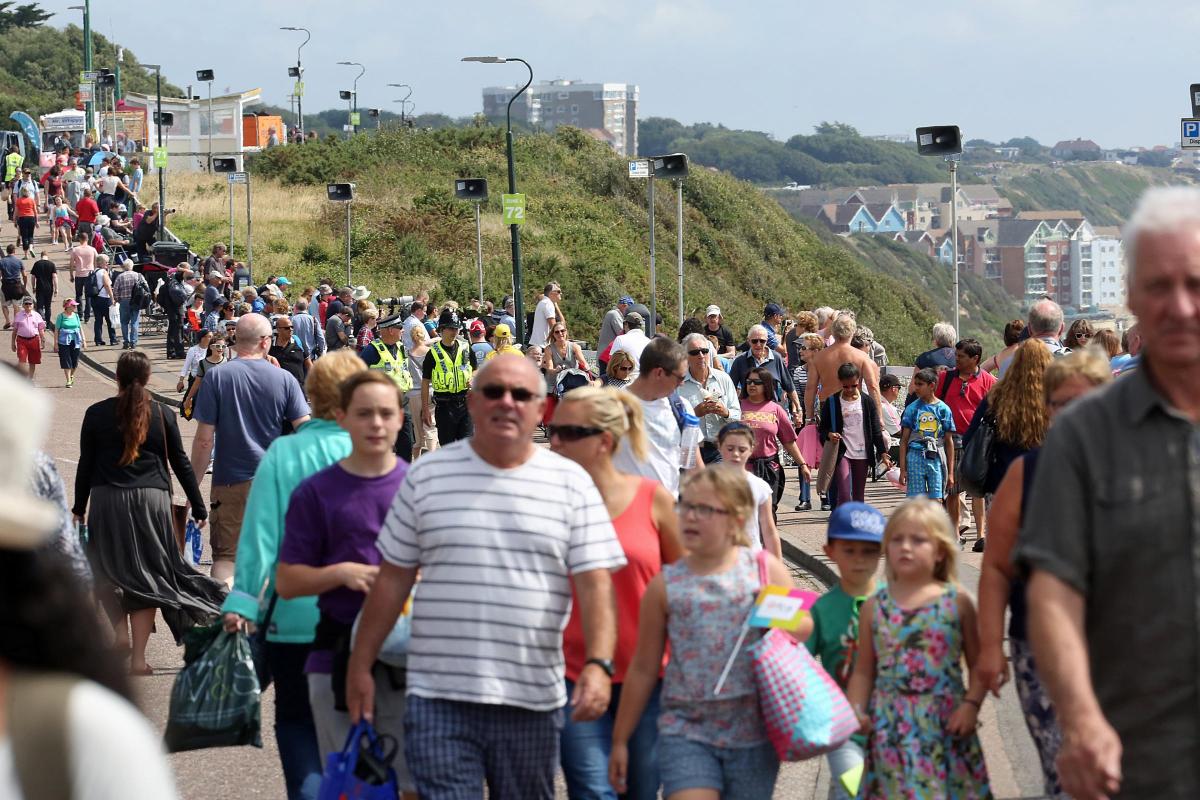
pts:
[815, 566]
[103, 370]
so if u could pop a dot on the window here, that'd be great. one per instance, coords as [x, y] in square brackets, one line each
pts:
[563, 95]
[574, 109]
[561, 110]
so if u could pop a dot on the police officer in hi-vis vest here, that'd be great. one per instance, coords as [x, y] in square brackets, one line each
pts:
[449, 366]
[386, 353]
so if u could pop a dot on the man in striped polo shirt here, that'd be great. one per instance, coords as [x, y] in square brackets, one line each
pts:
[500, 529]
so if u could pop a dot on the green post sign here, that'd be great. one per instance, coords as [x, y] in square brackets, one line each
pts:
[160, 158]
[355, 118]
[514, 208]
[298, 89]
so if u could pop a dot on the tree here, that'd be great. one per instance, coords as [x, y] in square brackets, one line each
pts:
[23, 16]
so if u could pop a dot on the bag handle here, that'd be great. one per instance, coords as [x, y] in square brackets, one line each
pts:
[764, 578]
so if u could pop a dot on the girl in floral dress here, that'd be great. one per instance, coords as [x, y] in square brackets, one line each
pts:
[920, 722]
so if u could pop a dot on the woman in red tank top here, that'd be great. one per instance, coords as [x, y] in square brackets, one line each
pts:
[588, 425]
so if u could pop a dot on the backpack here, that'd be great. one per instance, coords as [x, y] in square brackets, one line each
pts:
[94, 284]
[139, 296]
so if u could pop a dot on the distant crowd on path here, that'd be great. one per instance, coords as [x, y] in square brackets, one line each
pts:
[651, 521]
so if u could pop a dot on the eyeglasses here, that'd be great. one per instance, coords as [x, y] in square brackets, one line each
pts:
[758, 341]
[572, 433]
[495, 391]
[678, 376]
[698, 352]
[701, 510]
[754, 382]
[283, 327]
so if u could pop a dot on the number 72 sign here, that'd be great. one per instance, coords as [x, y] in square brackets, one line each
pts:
[513, 206]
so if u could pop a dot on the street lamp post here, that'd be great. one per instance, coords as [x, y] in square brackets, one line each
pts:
[946, 141]
[86, 8]
[158, 122]
[348, 96]
[404, 100]
[354, 91]
[299, 78]
[206, 76]
[515, 230]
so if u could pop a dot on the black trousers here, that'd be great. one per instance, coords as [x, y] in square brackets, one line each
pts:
[453, 421]
[81, 297]
[404, 439]
[41, 303]
[175, 346]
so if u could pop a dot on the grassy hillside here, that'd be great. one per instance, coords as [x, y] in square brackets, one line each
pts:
[587, 230]
[1105, 193]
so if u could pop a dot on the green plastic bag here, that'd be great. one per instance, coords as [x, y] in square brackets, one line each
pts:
[215, 701]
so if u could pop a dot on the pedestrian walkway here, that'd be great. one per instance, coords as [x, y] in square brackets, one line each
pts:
[164, 373]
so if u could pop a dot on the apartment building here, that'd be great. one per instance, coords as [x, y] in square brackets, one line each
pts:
[607, 111]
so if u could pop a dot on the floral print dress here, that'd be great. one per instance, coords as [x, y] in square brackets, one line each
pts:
[918, 684]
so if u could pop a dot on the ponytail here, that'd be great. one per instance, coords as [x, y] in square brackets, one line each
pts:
[133, 403]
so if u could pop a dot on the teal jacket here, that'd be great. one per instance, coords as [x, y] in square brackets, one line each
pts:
[317, 444]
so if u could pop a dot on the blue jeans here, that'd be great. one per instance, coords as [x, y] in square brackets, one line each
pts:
[129, 322]
[586, 747]
[841, 761]
[736, 773]
[294, 730]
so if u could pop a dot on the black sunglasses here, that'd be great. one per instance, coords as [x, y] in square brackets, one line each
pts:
[495, 391]
[699, 352]
[758, 341]
[754, 382]
[572, 433]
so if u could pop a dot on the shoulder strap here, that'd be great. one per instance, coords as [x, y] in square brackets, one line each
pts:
[677, 408]
[764, 578]
[945, 388]
[38, 728]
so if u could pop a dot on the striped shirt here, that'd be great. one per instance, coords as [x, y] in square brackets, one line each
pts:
[496, 548]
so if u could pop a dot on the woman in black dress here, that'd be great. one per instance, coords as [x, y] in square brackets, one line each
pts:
[125, 445]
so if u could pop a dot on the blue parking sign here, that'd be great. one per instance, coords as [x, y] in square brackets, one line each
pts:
[1190, 134]
[1191, 128]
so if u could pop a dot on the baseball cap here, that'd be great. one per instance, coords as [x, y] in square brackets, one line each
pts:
[476, 326]
[625, 300]
[857, 522]
[502, 331]
[634, 320]
[70, 302]
[282, 281]
[771, 310]
[712, 311]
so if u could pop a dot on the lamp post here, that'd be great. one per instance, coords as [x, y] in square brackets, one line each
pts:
[515, 230]
[206, 76]
[299, 77]
[946, 140]
[158, 122]
[361, 71]
[403, 100]
[86, 8]
[348, 96]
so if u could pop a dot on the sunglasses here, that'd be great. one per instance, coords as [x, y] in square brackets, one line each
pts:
[754, 382]
[1083, 336]
[698, 352]
[560, 330]
[758, 341]
[624, 368]
[572, 433]
[495, 391]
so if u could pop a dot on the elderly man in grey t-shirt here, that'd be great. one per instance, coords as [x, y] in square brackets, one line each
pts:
[1112, 539]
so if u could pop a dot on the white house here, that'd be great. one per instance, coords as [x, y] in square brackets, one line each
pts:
[187, 140]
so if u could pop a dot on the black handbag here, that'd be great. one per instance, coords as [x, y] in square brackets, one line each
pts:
[258, 646]
[978, 455]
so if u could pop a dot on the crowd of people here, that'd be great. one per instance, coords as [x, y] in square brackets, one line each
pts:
[571, 607]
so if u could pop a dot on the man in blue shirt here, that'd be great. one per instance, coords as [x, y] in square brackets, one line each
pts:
[247, 401]
[12, 283]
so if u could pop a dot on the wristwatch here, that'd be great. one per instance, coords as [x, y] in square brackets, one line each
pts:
[605, 664]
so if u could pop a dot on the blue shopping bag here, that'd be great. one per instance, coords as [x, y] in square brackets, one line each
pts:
[363, 769]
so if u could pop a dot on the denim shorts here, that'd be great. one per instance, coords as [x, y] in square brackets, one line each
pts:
[737, 773]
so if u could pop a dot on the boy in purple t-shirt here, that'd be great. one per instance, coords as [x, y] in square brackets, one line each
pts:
[329, 550]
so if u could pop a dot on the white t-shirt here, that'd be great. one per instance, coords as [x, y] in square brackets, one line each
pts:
[541, 321]
[633, 343]
[761, 491]
[109, 184]
[99, 275]
[115, 754]
[496, 548]
[662, 446]
[852, 428]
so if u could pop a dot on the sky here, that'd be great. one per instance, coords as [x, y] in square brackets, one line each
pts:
[1108, 70]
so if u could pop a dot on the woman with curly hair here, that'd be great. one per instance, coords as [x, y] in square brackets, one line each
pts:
[1017, 409]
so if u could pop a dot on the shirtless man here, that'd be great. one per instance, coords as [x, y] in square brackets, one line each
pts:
[823, 366]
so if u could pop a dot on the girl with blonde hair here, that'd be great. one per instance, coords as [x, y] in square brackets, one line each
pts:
[707, 744]
[588, 425]
[907, 687]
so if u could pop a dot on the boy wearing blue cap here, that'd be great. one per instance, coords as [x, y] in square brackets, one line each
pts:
[855, 544]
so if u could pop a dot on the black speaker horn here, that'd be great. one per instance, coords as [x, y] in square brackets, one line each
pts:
[204, 75]
[167, 117]
[224, 165]
[474, 189]
[671, 167]
[939, 140]
[340, 192]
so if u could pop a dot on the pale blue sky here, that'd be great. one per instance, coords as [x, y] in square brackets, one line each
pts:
[1109, 70]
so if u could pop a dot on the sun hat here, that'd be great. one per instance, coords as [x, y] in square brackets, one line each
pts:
[26, 521]
[360, 293]
[712, 311]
